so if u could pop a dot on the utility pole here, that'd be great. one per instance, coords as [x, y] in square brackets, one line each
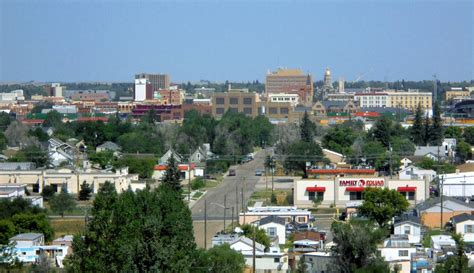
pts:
[272, 170]
[237, 202]
[225, 208]
[243, 208]
[232, 225]
[254, 238]
[189, 178]
[205, 223]
[441, 194]
[390, 162]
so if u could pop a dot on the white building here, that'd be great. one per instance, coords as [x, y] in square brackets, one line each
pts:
[12, 96]
[27, 239]
[464, 225]
[140, 89]
[440, 241]
[318, 261]
[409, 226]
[12, 191]
[397, 250]
[275, 228]
[273, 260]
[416, 173]
[284, 97]
[458, 184]
[372, 99]
[290, 214]
[56, 90]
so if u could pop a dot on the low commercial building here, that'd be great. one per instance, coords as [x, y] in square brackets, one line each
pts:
[290, 214]
[338, 191]
[456, 92]
[458, 184]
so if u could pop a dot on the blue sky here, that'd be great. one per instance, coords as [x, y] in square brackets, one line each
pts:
[235, 40]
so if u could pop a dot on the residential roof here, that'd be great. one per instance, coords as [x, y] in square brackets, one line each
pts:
[109, 145]
[13, 166]
[462, 218]
[26, 236]
[272, 219]
[424, 150]
[248, 241]
[407, 219]
[436, 200]
[329, 103]
[307, 235]
[65, 238]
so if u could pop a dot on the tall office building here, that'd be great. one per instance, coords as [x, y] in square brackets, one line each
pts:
[143, 90]
[157, 81]
[55, 90]
[290, 81]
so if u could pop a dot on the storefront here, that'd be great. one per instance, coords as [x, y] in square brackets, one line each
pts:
[339, 191]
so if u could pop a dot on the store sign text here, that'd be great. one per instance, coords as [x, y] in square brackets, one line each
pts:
[358, 182]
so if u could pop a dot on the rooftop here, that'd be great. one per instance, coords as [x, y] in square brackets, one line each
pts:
[462, 218]
[26, 236]
[272, 219]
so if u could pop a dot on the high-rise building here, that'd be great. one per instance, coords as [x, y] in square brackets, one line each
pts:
[143, 90]
[290, 81]
[157, 81]
[55, 90]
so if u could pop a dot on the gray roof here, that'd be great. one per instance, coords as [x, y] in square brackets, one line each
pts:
[14, 166]
[109, 145]
[424, 150]
[329, 103]
[434, 201]
[26, 236]
[393, 110]
[272, 219]
[407, 218]
[462, 217]
[302, 109]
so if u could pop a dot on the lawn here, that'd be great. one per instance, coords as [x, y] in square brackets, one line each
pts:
[67, 226]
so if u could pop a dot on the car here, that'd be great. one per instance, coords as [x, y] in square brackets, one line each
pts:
[231, 172]
[258, 172]
[303, 227]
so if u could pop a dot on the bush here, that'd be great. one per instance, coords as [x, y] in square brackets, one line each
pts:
[197, 183]
[48, 192]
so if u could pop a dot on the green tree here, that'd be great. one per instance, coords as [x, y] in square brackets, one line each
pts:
[301, 152]
[172, 175]
[39, 134]
[62, 202]
[5, 120]
[453, 132]
[103, 158]
[381, 205]
[459, 262]
[417, 134]
[307, 128]
[48, 192]
[260, 234]
[373, 151]
[53, 119]
[436, 130]
[463, 151]
[31, 154]
[402, 146]
[356, 246]
[426, 131]
[339, 139]
[226, 260]
[85, 192]
[7, 230]
[382, 131]
[28, 222]
[143, 166]
[468, 135]
[3, 141]
[302, 266]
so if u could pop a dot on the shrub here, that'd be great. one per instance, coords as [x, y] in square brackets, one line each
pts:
[197, 183]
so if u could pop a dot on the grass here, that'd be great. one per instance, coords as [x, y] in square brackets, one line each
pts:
[264, 196]
[427, 237]
[67, 226]
[198, 194]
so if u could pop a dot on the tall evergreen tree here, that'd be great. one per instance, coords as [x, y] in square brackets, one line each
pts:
[383, 131]
[417, 129]
[436, 130]
[171, 177]
[307, 128]
[85, 192]
[426, 131]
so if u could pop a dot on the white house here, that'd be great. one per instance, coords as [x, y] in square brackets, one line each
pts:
[275, 227]
[463, 224]
[405, 162]
[273, 260]
[11, 191]
[245, 246]
[318, 261]
[410, 226]
[27, 239]
[413, 172]
[397, 250]
[439, 241]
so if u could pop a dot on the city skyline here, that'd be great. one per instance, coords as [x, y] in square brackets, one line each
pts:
[106, 42]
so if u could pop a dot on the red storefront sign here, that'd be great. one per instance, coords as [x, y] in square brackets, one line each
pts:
[361, 182]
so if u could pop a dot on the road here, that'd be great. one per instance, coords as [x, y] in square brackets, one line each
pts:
[230, 189]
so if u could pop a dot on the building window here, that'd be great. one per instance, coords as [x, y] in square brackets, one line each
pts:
[407, 230]
[219, 100]
[220, 111]
[403, 253]
[233, 101]
[233, 110]
[411, 195]
[273, 110]
[469, 228]
[276, 260]
[247, 110]
[35, 188]
[316, 196]
[355, 196]
[247, 101]
[283, 110]
[301, 219]
[271, 231]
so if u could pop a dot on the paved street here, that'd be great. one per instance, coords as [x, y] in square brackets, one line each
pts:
[245, 179]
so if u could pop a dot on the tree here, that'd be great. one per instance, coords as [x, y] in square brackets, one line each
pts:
[53, 119]
[307, 128]
[454, 132]
[402, 146]
[302, 266]
[29, 222]
[31, 154]
[143, 166]
[7, 230]
[85, 192]
[103, 158]
[463, 151]
[459, 262]
[172, 175]
[260, 234]
[224, 259]
[301, 152]
[417, 134]
[381, 205]
[48, 192]
[17, 135]
[426, 131]
[339, 139]
[436, 130]
[468, 135]
[62, 202]
[382, 131]
[356, 246]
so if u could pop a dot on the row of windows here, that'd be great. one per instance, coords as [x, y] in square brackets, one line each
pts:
[274, 110]
[246, 110]
[233, 100]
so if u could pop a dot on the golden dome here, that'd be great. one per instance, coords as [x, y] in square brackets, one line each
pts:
[328, 72]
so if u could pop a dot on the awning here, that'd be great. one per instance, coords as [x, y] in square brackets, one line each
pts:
[406, 189]
[316, 189]
[356, 189]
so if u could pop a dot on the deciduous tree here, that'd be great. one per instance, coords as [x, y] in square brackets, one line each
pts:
[381, 205]
[62, 202]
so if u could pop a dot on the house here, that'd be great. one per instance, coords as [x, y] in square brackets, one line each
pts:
[290, 214]
[334, 157]
[458, 184]
[164, 158]
[446, 150]
[27, 239]
[307, 241]
[412, 172]
[318, 261]
[405, 162]
[224, 238]
[11, 191]
[463, 224]
[397, 250]
[108, 146]
[408, 225]
[272, 260]
[275, 228]
[430, 210]
[442, 241]
[186, 171]
[60, 152]
[245, 246]
[65, 240]
[17, 166]
[197, 156]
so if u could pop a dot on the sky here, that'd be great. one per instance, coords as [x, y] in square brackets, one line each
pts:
[104, 40]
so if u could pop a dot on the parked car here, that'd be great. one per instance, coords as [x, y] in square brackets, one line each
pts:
[232, 172]
[289, 228]
[258, 172]
[303, 227]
